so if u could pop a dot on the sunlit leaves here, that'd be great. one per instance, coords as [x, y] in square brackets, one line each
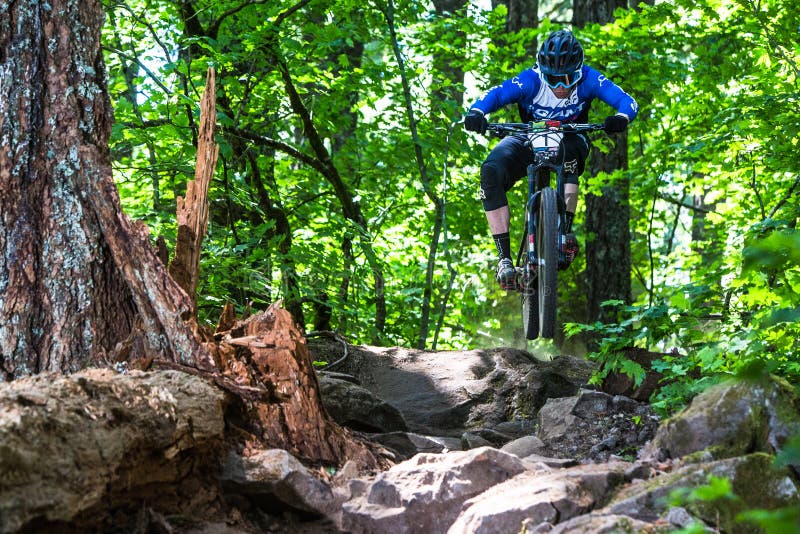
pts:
[713, 165]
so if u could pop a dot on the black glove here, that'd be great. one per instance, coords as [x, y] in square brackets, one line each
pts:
[615, 124]
[475, 121]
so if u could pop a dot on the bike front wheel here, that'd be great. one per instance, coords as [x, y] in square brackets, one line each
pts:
[547, 258]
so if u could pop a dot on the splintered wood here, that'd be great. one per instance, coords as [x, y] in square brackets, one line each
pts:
[269, 353]
[192, 210]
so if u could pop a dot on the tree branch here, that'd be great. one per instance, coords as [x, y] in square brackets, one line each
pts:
[685, 205]
[291, 11]
[268, 142]
[213, 30]
[154, 123]
[141, 66]
[785, 198]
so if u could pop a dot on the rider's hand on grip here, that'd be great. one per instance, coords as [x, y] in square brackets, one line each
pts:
[615, 124]
[475, 121]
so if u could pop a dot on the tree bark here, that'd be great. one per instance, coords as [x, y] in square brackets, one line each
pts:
[268, 356]
[76, 275]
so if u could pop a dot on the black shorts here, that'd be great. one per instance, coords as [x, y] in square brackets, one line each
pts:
[508, 162]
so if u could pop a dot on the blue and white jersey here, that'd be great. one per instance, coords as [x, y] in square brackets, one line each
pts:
[536, 101]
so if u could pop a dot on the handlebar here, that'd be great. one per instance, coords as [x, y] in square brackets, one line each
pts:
[500, 129]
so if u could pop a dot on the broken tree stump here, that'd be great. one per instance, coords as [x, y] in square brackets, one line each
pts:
[268, 352]
[192, 210]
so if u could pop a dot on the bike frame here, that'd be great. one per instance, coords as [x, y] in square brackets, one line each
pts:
[539, 174]
[537, 275]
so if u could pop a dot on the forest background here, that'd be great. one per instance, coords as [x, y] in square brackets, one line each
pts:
[346, 187]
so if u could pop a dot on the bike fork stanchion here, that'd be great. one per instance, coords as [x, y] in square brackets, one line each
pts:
[528, 294]
[562, 220]
[531, 215]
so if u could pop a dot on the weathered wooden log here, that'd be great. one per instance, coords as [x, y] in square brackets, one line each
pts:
[72, 448]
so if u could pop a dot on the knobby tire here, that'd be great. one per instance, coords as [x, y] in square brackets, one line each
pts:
[547, 255]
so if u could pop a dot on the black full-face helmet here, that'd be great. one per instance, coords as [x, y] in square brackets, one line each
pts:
[561, 58]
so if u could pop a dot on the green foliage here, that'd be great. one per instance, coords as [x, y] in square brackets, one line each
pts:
[714, 197]
[712, 166]
[716, 488]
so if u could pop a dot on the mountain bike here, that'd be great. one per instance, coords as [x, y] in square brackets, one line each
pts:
[540, 253]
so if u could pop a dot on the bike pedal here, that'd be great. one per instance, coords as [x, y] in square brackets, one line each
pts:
[509, 286]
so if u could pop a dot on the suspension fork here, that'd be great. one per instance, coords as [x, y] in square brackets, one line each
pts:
[538, 178]
[561, 201]
[532, 212]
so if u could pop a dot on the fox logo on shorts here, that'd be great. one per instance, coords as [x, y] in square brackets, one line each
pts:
[571, 166]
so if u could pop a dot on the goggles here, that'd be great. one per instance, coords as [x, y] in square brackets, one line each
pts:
[563, 80]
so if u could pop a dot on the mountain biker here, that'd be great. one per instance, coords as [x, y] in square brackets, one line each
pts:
[559, 87]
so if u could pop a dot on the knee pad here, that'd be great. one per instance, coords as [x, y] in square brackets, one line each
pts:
[493, 192]
[572, 177]
[573, 152]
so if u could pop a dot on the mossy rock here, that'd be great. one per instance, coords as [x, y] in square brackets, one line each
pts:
[731, 419]
[755, 483]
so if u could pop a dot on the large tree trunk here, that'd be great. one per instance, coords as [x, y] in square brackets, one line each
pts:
[608, 253]
[522, 14]
[79, 283]
[76, 276]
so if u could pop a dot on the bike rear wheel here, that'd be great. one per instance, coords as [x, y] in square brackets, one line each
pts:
[547, 256]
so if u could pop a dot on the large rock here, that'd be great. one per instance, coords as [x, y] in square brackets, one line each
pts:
[754, 481]
[731, 419]
[276, 474]
[358, 408]
[530, 496]
[425, 494]
[448, 393]
[407, 444]
[74, 447]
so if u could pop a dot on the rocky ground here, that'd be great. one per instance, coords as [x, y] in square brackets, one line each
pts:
[464, 399]
[474, 441]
